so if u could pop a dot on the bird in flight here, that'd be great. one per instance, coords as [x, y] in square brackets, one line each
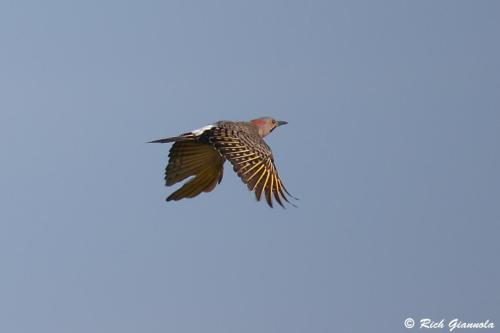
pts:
[201, 154]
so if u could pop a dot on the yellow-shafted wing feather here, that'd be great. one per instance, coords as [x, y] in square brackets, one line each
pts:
[253, 161]
[199, 160]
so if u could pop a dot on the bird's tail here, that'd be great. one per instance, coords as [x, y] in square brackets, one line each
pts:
[182, 137]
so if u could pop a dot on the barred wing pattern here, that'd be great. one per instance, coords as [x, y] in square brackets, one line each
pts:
[252, 160]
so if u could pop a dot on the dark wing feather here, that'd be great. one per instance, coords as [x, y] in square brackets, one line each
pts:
[252, 160]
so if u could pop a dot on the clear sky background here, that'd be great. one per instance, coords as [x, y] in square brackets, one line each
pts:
[392, 147]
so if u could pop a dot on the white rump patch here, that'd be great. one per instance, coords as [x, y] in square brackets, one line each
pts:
[200, 131]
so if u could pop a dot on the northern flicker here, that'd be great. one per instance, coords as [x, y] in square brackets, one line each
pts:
[201, 154]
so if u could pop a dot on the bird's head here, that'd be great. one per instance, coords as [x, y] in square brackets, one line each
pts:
[267, 124]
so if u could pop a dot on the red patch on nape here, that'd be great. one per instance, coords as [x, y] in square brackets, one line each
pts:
[258, 122]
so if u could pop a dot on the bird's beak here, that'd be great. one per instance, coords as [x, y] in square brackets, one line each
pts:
[281, 122]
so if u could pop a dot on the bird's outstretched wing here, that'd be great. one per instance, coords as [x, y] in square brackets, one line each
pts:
[252, 160]
[189, 158]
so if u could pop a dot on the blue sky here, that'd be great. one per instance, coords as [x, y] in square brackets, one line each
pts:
[392, 148]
